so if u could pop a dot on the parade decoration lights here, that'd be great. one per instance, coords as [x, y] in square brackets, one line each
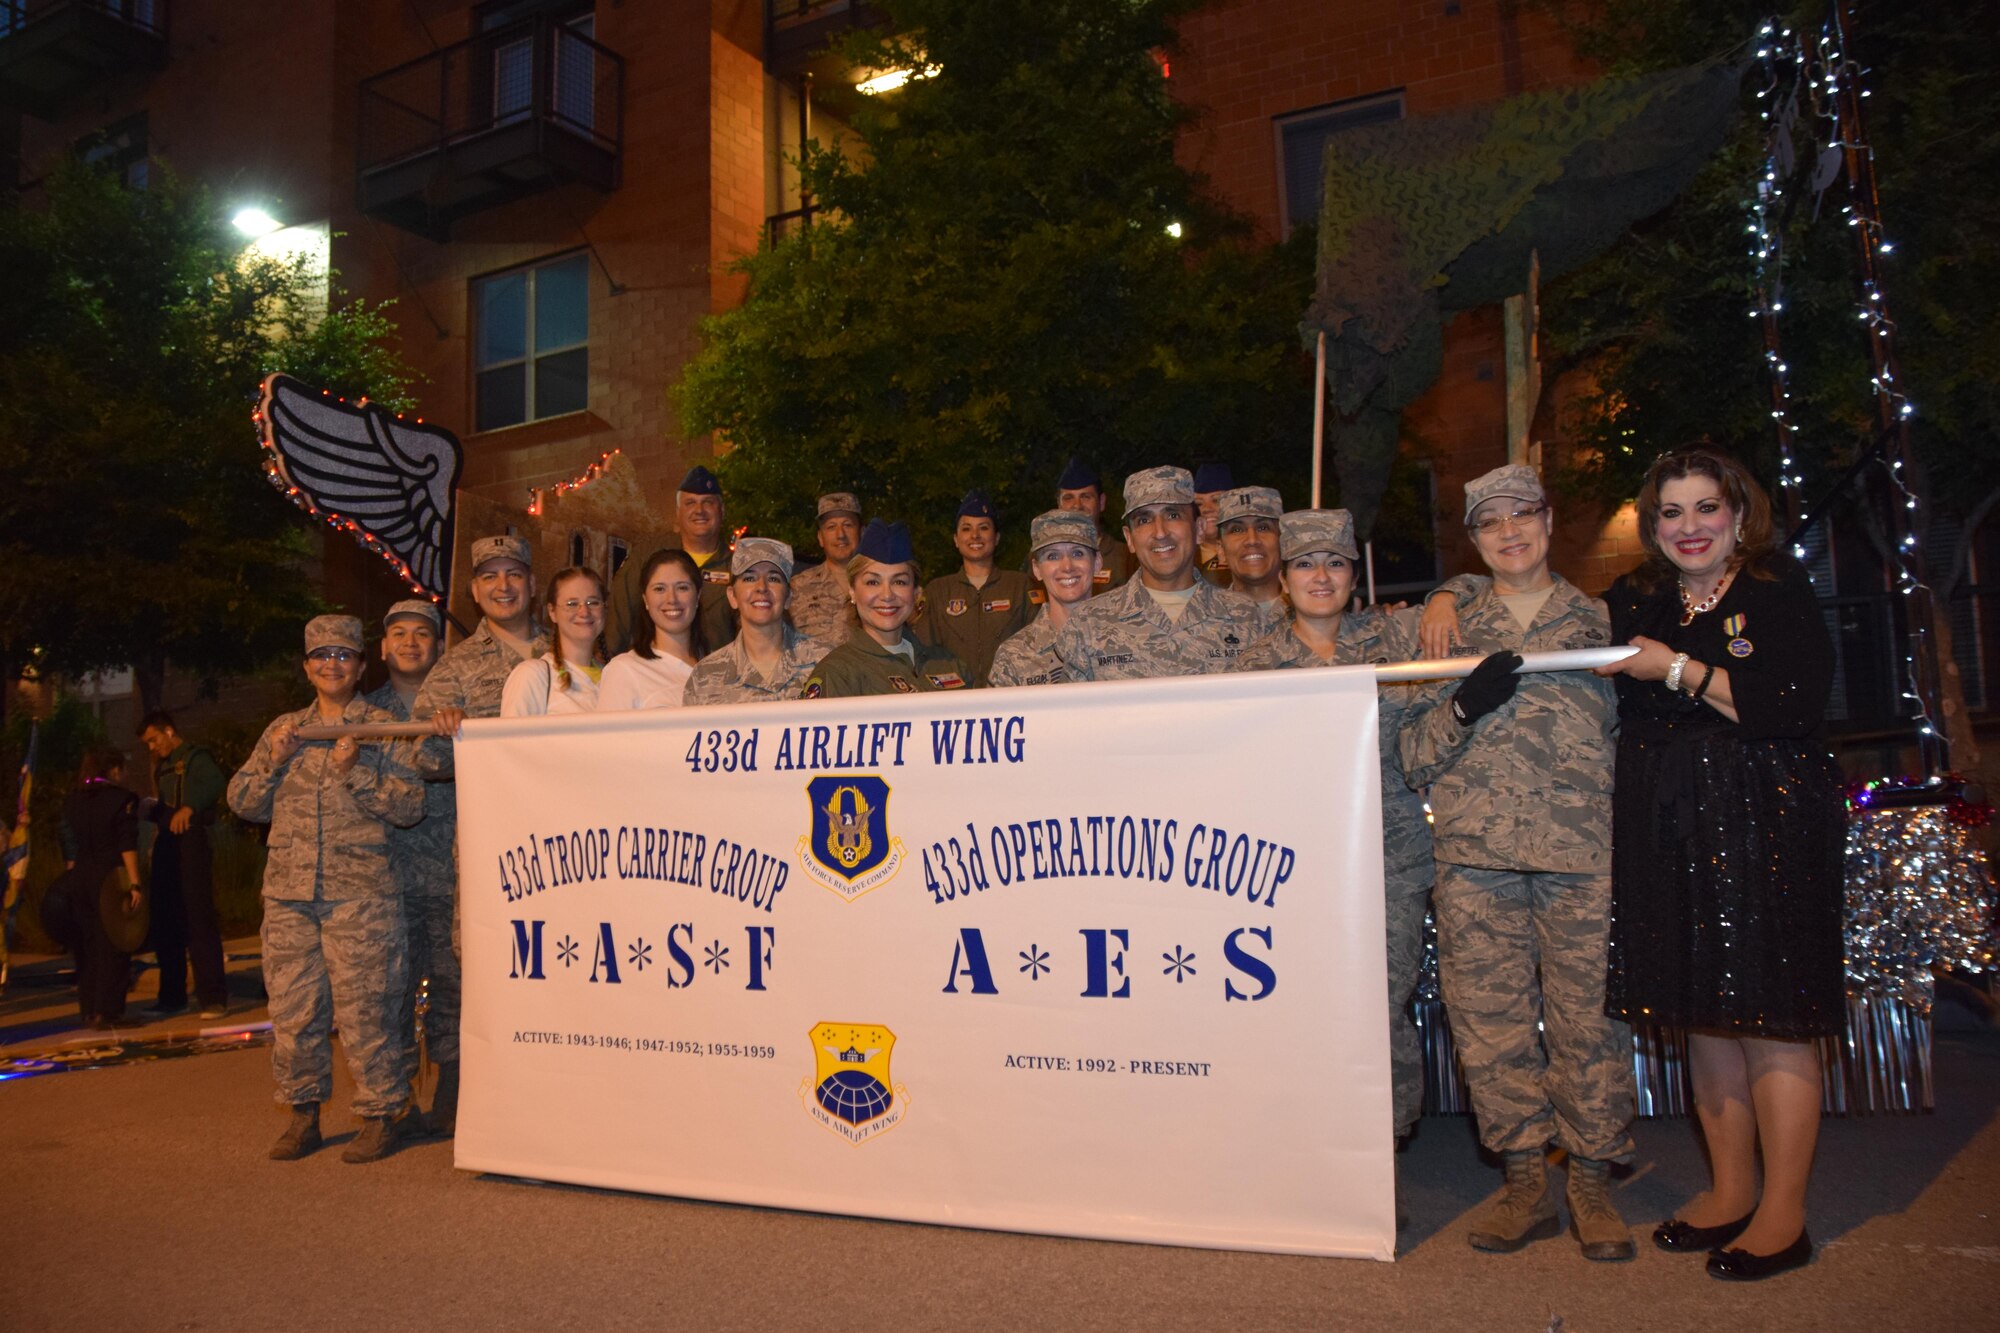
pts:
[388, 481]
[538, 496]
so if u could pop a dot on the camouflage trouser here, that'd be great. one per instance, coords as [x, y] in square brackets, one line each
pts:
[338, 963]
[1495, 929]
[432, 956]
[1407, 871]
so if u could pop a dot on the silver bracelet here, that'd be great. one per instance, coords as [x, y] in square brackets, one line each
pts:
[1674, 671]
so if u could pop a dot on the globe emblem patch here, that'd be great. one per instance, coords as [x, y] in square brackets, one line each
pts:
[850, 1092]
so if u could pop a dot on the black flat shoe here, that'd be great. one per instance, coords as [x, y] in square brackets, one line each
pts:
[1686, 1238]
[1742, 1266]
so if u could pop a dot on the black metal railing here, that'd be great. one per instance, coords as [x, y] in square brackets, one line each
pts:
[781, 226]
[533, 72]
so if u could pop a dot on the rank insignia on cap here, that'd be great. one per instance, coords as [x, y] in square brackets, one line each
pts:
[1740, 648]
[955, 607]
[902, 686]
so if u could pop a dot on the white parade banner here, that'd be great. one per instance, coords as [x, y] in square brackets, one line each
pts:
[1098, 960]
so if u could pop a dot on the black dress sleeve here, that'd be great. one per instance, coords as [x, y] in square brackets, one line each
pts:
[1782, 686]
[125, 823]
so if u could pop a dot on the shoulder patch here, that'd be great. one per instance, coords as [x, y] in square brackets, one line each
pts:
[955, 607]
[813, 688]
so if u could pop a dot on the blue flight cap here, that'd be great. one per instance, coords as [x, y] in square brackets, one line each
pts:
[1212, 477]
[1076, 475]
[976, 505]
[700, 481]
[886, 543]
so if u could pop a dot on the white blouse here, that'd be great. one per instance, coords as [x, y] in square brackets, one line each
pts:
[631, 681]
[531, 690]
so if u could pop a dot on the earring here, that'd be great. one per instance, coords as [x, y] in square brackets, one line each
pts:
[1739, 529]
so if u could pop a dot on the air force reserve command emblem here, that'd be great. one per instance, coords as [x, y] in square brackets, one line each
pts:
[850, 1092]
[849, 849]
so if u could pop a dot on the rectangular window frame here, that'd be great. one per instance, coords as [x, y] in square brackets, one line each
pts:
[1350, 113]
[531, 354]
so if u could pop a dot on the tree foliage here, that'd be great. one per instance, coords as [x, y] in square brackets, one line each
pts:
[1001, 288]
[136, 527]
[1662, 321]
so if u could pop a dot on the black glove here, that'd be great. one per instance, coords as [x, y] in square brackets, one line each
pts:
[1491, 684]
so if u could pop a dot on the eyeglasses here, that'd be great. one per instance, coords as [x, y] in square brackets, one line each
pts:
[332, 655]
[573, 604]
[1494, 522]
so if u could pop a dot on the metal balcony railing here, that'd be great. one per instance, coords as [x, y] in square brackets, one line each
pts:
[487, 120]
[52, 51]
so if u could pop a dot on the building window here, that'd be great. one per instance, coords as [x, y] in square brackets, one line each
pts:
[1302, 139]
[531, 352]
[119, 149]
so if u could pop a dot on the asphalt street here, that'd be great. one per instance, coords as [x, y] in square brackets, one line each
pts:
[139, 1197]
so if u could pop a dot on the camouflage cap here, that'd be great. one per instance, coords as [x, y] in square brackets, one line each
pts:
[500, 548]
[838, 502]
[1062, 525]
[1248, 502]
[1304, 531]
[1515, 481]
[759, 551]
[333, 632]
[421, 608]
[1158, 486]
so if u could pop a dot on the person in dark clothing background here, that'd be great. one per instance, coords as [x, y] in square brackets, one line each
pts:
[190, 786]
[100, 835]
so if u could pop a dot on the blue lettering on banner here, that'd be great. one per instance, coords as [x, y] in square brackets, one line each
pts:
[1249, 964]
[759, 954]
[979, 740]
[680, 963]
[1100, 963]
[968, 960]
[606, 955]
[817, 749]
[527, 951]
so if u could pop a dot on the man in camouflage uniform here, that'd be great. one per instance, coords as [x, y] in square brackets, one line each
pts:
[334, 938]
[819, 595]
[421, 857]
[970, 612]
[1519, 769]
[698, 520]
[1062, 548]
[1407, 869]
[468, 679]
[768, 660]
[1168, 621]
[1080, 491]
[1246, 524]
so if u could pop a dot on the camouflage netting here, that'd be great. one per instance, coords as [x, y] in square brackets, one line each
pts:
[1427, 217]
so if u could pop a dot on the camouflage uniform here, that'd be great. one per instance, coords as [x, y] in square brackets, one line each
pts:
[986, 617]
[726, 676]
[819, 604]
[420, 857]
[862, 666]
[334, 936]
[1124, 635]
[1407, 867]
[1029, 658]
[1522, 800]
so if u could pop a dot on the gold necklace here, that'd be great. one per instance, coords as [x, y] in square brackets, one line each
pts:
[1690, 608]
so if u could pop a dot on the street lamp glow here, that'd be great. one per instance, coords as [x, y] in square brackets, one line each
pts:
[255, 222]
[893, 79]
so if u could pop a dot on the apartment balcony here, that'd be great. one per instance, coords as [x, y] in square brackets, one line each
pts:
[483, 122]
[54, 51]
[798, 32]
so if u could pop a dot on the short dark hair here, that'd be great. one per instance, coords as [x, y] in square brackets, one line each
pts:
[159, 718]
[100, 761]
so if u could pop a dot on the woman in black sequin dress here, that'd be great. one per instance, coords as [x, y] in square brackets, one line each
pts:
[1727, 828]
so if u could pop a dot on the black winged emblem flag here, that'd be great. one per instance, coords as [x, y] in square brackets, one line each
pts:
[388, 480]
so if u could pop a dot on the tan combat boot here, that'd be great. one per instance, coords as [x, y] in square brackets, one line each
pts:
[1593, 1218]
[443, 1116]
[301, 1136]
[1525, 1210]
